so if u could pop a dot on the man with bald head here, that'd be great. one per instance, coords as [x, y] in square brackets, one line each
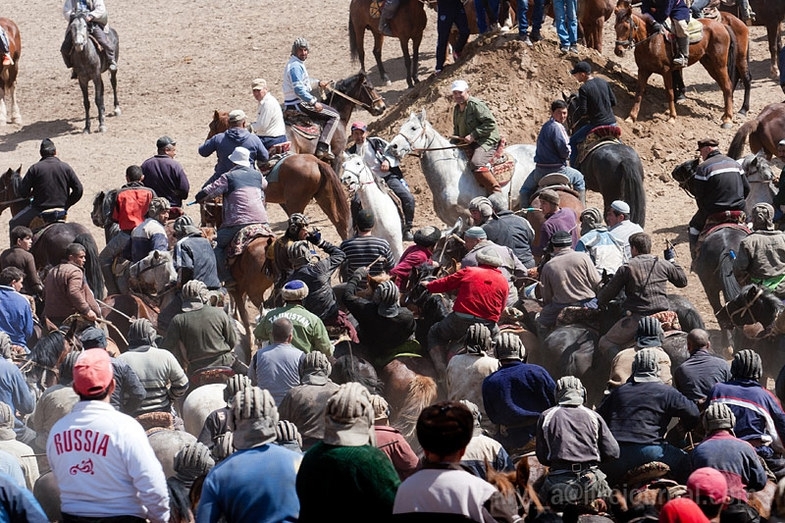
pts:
[703, 369]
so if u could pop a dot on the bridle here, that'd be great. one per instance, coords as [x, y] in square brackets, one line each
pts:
[427, 147]
[746, 309]
[631, 42]
[367, 90]
[7, 188]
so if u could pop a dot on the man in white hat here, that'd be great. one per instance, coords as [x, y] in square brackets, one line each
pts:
[297, 87]
[475, 128]
[223, 144]
[619, 225]
[269, 125]
[242, 188]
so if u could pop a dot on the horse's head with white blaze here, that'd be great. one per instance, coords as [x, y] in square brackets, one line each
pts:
[154, 273]
[412, 136]
[78, 28]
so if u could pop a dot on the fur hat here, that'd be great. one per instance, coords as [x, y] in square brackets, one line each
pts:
[315, 369]
[645, 366]
[234, 385]
[295, 290]
[158, 205]
[489, 257]
[194, 295]
[349, 417]
[570, 391]
[255, 417]
[550, 196]
[746, 364]
[427, 236]
[718, 416]
[445, 428]
[649, 332]
[192, 461]
[478, 339]
[509, 347]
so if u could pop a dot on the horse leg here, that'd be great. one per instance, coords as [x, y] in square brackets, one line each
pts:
[775, 44]
[416, 40]
[643, 78]
[86, 102]
[239, 303]
[99, 103]
[3, 112]
[716, 67]
[113, 81]
[667, 78]
[407, 61]
[16, 116]
[378, 40]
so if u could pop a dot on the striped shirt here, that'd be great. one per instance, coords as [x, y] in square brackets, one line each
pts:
[361, 251]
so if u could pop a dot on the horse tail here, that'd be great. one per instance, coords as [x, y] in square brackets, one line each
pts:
[740, 138]
[422, 393]
[733, 74]
[631, 177]
[352, 41]
[332, 199]
[92, 269]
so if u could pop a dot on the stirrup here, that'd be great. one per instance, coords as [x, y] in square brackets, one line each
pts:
[7, 60]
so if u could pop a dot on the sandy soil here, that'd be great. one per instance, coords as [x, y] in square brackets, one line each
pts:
[181, 60]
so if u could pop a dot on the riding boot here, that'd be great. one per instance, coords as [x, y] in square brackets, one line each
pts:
[388, 12]
[407, 233]
[109, 279]
[323, 152]
[384, 27]
[683, 59]
[486, 180]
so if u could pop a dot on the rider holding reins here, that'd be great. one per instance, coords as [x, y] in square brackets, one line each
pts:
[656, 12]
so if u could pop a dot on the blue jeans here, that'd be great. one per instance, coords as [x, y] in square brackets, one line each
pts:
[450, 12]
[565, 13]
[222, 239]
[529, 186]
[537, 16]
[633, 455]
[269, 141]
[492, 16]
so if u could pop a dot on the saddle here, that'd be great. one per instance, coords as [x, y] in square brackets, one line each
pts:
[502, 165]
[694, 31]
[270, 169]
[554, 187]
[580, 315]
[598, 137]
[375, 8]
[245, 236]
[302, 124]
[46, 218]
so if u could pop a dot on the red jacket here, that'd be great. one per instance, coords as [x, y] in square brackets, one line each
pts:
[413, 256]
[482, 291]
[131, 204]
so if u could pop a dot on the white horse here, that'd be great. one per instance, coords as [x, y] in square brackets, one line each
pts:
[359, 179]
[154, 273]
[199, 403]
[447, 170]
[760, 176]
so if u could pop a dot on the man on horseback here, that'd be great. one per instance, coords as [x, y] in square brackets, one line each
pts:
[193, 255]
[19, 256]
[475, 128]
[476, 240]
[657, 12]
[719, 187]
[16, 316]
[761, 256]
[269, 125]
[50, 182]
[365, 250]
[557, 218]
[150, 235]
[551, 155]
[595, 105]
[5, 48]
[605, 251]
[166, 176]
[297, 86]
[620, 226]
[385, 166]
[243, 190]
[65, 290]
[224, 144]
[96, 17]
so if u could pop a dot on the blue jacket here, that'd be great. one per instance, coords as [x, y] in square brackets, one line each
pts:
[15, 392]
[223, 144]
[16, 318]
[758, 413]
[553, 145]
[518, 393]
[663, 9]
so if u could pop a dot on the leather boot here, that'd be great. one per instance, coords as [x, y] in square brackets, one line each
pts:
[384, 27]
[323, 152]
[684, 52]
[486, 180]
[407, 234]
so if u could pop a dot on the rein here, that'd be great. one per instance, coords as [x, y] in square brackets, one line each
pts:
[427, 148]
[345, 96]
[746, 308]
[630, 42]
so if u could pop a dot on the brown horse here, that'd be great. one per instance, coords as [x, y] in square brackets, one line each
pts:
[8, 73]
[768, 13]
[408, 24]
[592, 15]
[653, 55]
[764, 132]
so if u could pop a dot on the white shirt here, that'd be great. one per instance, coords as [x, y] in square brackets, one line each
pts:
[269, 118]
[622, 232]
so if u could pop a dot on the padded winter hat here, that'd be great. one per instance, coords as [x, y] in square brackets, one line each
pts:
[645, 366]
[570, 391]
[386, 296]
[478, 339]
[255, 418]
[194, 295]
[6, 422]
[92, 372]
[509, 347]
[158, 205]
[649, 332]
[488, 257]
[349, 415]
[427, 236]
[550, 196]
[445, 428]
[763, 217]
[365, 220]
[477, 233]
[234, 385]
[141, 332]
[5, 346]
[295, 290]
[718, 416]
[561, 239]
[315, 369]
[296, 222]
[192, 461]
[746, 365]
[475, 410]
[287, 435]
[299, 253]
[591, 218]
[184, 226]
[381, 409]
[482, 205]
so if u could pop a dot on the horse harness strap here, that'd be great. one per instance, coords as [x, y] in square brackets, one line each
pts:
[746, 308]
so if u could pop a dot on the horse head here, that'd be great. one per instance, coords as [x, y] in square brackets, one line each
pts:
[572, 108]
[363, 93]
[410, 137]
[684, 173]
[626, 27]
[354, 172]
[219, 124]
[753, 304]
[757, 168]
[98, 215]
[9, 187]
[155, 272]
[79, 32]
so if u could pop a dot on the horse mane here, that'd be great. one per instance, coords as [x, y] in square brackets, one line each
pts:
[47, 349]
[92, 269]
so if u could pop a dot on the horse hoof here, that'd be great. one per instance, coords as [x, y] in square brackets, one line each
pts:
[86, 131]
[388, 82]
[743, 112]
[726, 125]
[629, 119]
[101, 128]
[117, 111]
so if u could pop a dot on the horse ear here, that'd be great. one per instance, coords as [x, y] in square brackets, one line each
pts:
[422, 115]
[156, 255]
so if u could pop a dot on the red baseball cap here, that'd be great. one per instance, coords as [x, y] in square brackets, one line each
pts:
[358, 125]
[92, 372]
[708, 482]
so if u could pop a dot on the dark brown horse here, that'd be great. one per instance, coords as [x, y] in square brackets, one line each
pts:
[407, 25]
[768, 13]
[301, 178]
[764, 132]
[653, 55]
[592, 15]
[8, 74]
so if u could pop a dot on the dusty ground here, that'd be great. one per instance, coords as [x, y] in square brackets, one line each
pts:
[181, 60]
